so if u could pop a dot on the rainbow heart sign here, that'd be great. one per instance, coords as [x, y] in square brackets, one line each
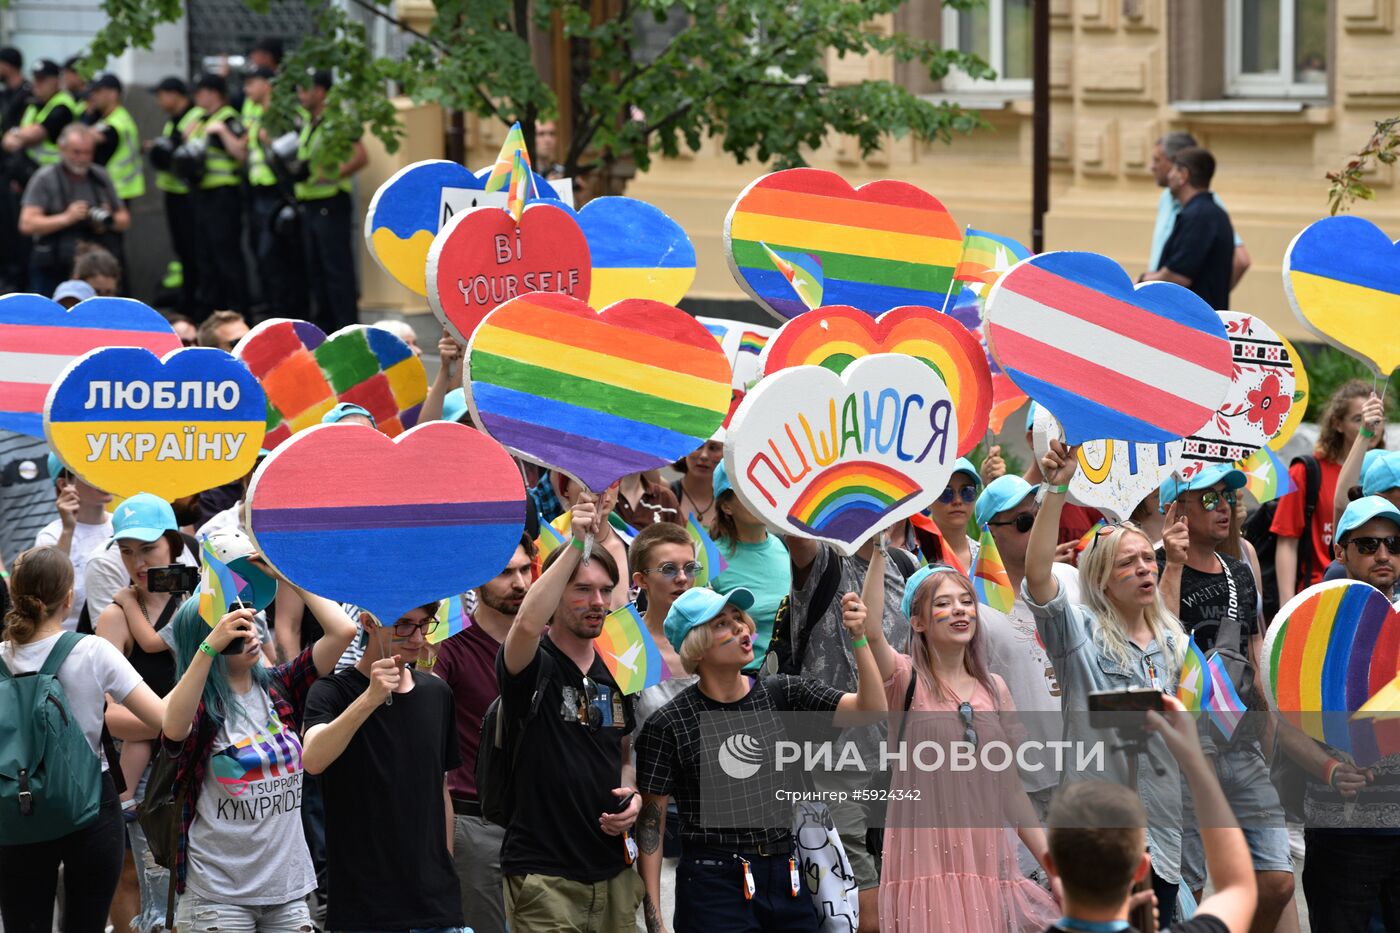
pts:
[637, 252]
[1258, 403]
[1144, 365]
[406, 521]
[596, 394]
[1342, 277]
[803, 238]
[305, 374]
[1113, 476]
[838, 457]
[127, 421]
[482, 259]
[1329, 650]
[39, 338]
[404, 215]
[835, 336]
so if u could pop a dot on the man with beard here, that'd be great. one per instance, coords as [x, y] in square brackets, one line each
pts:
[568, 851]
[467, 662]
[68, 203]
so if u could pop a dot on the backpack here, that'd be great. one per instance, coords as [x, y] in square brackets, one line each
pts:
[1257, 530]
[498, 752]
[50, 780]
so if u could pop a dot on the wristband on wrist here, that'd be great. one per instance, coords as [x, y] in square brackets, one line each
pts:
[1063, 488]
[1330, 770]
[860, 642]
[576, 544]
[1366, 432]
[208, 649]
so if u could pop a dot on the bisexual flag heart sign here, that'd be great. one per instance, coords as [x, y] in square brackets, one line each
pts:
[1146, 364]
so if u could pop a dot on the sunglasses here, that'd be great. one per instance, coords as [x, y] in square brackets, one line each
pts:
[406, 629]
[969, 733]
[1369, 545]
[1210, 499]
[1023, 522]
[968, 494]
[671, 570]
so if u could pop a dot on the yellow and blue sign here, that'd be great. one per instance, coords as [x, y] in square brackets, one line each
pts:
[637, 250]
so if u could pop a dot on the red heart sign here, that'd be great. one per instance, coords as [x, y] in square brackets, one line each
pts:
[481, 259]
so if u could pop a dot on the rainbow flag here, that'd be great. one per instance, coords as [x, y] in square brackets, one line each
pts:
[624, 531]
[753, 343]
[218, 586]
[1089, 536]
[1266, 477]
[549, 541]
[630, 652]
[1224, 703]
[505, 161]
[1193, 688]
[522, 186]
[452, 618]
[712, 562]
[803, 272]
[989, 577]
[985, 256]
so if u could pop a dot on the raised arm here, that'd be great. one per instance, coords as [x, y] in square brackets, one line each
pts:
[870, 686]
[1058, 466]
[183, 701]
[448, 377]
[1175, 539]
[1372, 420]
[326, 741]
[523, 639]
[872, 593]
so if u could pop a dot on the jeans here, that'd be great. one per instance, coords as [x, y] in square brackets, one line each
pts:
[710, 896]
[1244, 776]
[1346, 875]
[92, 863]
[198, 914]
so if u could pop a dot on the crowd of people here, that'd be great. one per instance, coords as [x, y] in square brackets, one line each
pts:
[74, 165]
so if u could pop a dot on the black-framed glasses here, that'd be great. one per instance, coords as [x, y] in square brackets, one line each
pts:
[1369, 544]
[969, 733]
[1023, 522]
[406, 629]
[588, 712]
[968, 494]
[1210, 499]
[670, 570]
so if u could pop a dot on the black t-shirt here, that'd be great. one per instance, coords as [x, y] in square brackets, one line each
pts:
[1202, 248]
[386, 828]
[566, 772]
[1205, 923]
[1205, 602]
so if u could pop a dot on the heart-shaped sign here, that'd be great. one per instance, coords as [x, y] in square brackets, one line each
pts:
[743, 345]
[1342, 277]
[1300, 397]
[834, 336]
[1329, 650]
[1113, 476]
[127, 421]
[804, 238]
[637, 252]
[1146, 365]
[840, 457]
[597, 395]
[1258, 403]
[305, 375]
[481, 259]
[401, 522]
[38, 338]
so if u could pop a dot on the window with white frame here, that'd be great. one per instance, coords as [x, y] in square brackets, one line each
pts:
[1276, 48]
[999, 33]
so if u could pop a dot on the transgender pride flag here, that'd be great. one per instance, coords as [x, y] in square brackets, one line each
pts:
[1223, 703]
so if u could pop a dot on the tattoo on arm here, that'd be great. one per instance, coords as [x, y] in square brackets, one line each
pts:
[649, 828]
[651, 914]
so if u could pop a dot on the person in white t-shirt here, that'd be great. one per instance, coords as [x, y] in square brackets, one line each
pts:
[82, 527]
[41, 588]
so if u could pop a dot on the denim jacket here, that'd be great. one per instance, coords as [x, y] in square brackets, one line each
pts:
[1082, 665]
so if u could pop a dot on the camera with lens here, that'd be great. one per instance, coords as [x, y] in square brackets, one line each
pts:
[188, 159]
[282, 153]
[286, 220]
[162, 152]
[99, 217]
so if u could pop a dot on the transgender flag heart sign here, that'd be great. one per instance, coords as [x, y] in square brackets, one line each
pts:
[1146, 364]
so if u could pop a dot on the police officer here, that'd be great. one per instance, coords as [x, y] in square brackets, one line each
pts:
[274, 228]
[120, 148]
[218, 205]
[72, 80]
[173, 98]
[50, 109]
[14, 248]
[325, 200]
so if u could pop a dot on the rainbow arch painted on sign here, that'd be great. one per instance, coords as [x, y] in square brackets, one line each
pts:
[847, 499]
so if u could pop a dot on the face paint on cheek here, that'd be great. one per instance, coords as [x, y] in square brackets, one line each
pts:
[1126, 575]
[729, 640]
[942, 614]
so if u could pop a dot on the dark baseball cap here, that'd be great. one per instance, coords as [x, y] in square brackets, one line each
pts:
[317, 77]
[171, 83]
[71, 62]
[211, 82]
[106, 79]
[271, 45]
[11, 56]
[266, 74]
[45, 68]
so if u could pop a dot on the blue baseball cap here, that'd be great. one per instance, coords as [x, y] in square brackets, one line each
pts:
[143, 517]
[55, 467]
[344, 409]
[720, 479]
[454, 405]
[964, 465]
[916, 580]
[1002, 493]
[1173, 486]
[699, 605]
[1362, 511]
[76, 289]
[1030, 416]
[1382, 473]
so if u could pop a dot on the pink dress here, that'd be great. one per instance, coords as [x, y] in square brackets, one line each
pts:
[949, 860]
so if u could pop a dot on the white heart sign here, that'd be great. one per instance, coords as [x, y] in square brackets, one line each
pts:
[838, 458]
[1113, 476]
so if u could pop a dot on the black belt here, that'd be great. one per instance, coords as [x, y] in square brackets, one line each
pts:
[780, 849]
[465, 807]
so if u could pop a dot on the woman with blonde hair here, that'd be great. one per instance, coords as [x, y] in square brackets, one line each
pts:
[1120, 637]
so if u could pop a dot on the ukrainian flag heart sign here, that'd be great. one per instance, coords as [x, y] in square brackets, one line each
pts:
[840, 457]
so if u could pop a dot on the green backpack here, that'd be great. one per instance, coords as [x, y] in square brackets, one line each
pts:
[50, 780]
